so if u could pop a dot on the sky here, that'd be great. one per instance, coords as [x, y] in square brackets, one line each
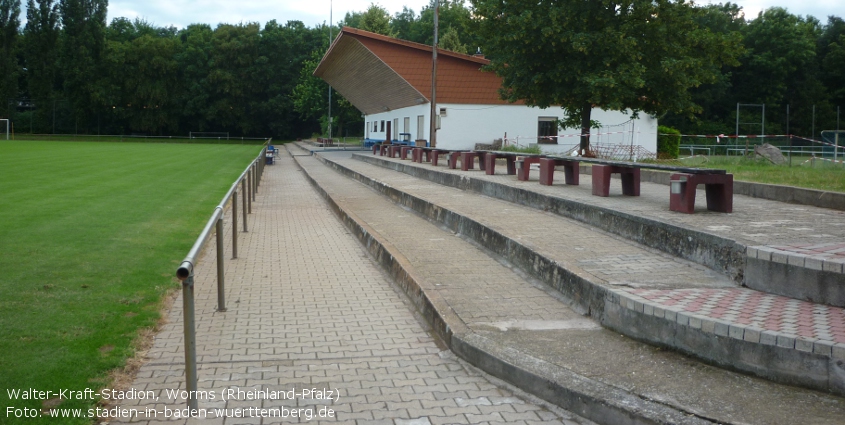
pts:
[181, 13]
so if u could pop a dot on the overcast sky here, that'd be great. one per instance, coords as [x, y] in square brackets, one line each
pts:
[180, 13]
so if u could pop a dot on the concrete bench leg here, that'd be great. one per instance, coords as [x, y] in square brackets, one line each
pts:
[434, 156]
[522, 169]
[490, 164]
[630, 181]
[415, 154]
[547, 171]
[571, 173]
[467, 161]
[511, 161]
[682, 193]
[403, 153]
[375, 149]
[720, 195]
[453, 160]
[481, 163]
[601, 179]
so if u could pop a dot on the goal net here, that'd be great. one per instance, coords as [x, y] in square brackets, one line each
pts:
[219, 135]
[4, 123]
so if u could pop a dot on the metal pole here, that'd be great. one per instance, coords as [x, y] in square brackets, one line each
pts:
[190, 341]
[249, 192]
[221, 282]
[254, 181]
[433, 124]
[243, 193]
[330, 87]
[235, 224]
[763, 122]
[737, 119]
[789, 135]
[813, 127]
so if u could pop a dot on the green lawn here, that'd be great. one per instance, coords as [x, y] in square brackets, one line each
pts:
[821, 176]
[90, 238]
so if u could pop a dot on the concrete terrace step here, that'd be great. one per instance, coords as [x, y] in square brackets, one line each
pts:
[717, 240]
[519, 332]
[603, 275]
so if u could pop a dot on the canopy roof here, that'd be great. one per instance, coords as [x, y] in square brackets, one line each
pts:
[378, 73]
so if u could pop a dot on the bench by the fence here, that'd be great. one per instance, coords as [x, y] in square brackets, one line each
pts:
[718, 184]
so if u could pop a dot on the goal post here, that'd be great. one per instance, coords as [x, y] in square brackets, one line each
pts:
[219, 135]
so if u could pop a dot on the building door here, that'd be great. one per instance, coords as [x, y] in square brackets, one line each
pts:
[420, 127]
[387, 133]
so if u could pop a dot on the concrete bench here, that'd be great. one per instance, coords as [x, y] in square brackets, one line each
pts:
[489, 160]
[719, 189]
[717, 183]
[572, 170]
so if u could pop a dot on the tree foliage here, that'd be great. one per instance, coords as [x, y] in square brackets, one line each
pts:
[41, 37]
[78, 74]
[9, 22]
[630, 56]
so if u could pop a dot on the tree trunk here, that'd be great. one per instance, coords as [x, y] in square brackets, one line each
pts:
[585, 130]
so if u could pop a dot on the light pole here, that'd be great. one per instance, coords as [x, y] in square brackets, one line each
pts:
[330, 86]
[433, 124]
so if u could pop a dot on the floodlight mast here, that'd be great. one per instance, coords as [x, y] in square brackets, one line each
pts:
[433, 124]
[330, 86]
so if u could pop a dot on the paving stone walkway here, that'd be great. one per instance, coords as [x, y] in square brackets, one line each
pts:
[314, 326]
[658, 284]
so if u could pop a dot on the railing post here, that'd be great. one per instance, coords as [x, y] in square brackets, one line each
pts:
[254, 181]
[221, 294]
[190, 341]
[249, 192]
[243, 193]
[235, 224]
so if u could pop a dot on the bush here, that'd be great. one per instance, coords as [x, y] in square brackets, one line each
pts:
[668, 142]
[514, 148]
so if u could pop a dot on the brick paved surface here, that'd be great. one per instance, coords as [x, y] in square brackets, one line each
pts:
[494, 301]
[633, 270]
[308, 309]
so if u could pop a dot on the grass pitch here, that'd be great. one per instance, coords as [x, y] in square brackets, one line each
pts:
[90, 237]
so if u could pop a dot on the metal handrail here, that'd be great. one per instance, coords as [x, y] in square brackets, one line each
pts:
[185, 273]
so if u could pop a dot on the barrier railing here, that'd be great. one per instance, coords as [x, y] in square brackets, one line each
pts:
[248, 181]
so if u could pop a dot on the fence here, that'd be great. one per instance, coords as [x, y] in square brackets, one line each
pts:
[249, 181]
[734, 145]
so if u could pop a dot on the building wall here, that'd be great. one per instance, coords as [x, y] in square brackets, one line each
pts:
[462, 126]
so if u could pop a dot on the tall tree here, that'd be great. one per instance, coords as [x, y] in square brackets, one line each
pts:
[779, 68]
[41, 36]
[10, 11]
[82, 43]
[625, 55]
[311, 101]
[376, 19]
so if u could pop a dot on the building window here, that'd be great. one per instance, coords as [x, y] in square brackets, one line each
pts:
[396, 129]
[382, 126]
[375, 126]
[547, 130]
